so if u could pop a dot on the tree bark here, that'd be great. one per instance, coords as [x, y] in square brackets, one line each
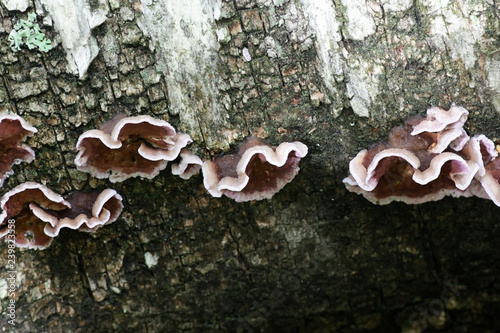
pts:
[334, 74]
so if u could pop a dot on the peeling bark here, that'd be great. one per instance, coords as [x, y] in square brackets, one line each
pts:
[336, 75]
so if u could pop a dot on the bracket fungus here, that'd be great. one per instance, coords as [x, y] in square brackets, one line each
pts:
[13, 130]
[125, 147]
[16, 205]
[188, 166]
[89, 211]
[257, 171]
[38, 214]
[427, 159]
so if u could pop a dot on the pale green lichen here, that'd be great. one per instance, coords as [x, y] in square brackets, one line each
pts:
[28, 32]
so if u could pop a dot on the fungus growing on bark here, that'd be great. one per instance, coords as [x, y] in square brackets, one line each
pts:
[445, 128]
[188, 166]
[16, 205]
[491, 181]
[125, 147]
[38, 214]
[13, 130]
[425, 160]
[88, 212]
[257, 171]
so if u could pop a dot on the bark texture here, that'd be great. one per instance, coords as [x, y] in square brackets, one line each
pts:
[334, 74]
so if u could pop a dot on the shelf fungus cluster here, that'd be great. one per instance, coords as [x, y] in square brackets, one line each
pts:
[125, 147]
[426, 159]
[257, 171]
[13, 131]
[33, 214]
[142, 146]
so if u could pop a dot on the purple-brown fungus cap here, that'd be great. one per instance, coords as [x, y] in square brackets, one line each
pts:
[125, 147]
[38, 214]
[88, 212]
[28, 228]
[425, 160]
[13, 130]
[257, 171]
[188, 166]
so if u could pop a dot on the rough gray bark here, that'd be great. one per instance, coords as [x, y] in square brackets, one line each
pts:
[336, 75]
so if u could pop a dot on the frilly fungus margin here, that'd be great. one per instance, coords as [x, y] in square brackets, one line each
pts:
[188, 166]
[39, 213]
[426, 159]
[29, 230]
[89, 211]
[13, 130]
[124, 147]
[257, 171]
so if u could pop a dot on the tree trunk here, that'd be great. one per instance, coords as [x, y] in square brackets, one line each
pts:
[333, 74]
